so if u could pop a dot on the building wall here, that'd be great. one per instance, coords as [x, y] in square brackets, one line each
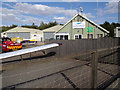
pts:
[81, 31]
[117, 32]
[34, 35]
[2, 34]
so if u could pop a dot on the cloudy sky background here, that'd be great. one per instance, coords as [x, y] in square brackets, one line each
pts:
[21, 13]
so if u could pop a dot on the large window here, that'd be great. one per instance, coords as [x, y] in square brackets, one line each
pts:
[77, 36]
[90, 36]
[62, 37]
[99, 35]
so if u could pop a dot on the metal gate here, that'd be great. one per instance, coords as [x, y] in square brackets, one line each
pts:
[24, 35]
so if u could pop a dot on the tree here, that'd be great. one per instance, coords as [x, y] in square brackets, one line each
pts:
[13, 26]
[110, 27]
[33, 24]
[44, 25]
[5, 28]
[41, 27]
[50, 24]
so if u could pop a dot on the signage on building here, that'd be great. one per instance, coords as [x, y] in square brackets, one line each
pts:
[78, 24]
[89, 29]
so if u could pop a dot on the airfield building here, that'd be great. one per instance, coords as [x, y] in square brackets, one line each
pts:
[80, 27]
[31, 34]
[25, 33]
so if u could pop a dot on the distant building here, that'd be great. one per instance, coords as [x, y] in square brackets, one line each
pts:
[80, 27]
[25, 33]
[31, 34]
[49, 32]
[117, 32]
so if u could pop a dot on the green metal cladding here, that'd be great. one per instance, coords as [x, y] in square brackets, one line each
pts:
[90, 28]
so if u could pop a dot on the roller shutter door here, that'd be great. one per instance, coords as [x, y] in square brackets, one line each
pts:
[24, 35]
[48, 35]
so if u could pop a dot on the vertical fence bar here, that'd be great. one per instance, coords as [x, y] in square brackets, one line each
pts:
[94, 64]
[21, 57]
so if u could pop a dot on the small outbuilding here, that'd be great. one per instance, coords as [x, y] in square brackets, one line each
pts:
[80, 27]
[117, 32]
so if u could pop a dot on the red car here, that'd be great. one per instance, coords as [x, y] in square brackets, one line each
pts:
[9, 45]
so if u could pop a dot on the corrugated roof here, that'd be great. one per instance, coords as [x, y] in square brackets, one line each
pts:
[52, 29]
[22, 29]
[85, 19]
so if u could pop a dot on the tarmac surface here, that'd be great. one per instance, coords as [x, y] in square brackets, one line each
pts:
[27, 70]
[48, 71]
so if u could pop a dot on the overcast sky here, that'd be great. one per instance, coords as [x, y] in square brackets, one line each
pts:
[21, 13]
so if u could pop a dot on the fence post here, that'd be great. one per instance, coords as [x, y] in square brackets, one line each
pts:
[94, 64]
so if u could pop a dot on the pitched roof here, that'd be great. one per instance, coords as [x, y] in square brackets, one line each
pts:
[22, 29]
[52, 29]
[85, 19]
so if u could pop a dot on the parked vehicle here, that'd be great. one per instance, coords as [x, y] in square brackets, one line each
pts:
[9, 45]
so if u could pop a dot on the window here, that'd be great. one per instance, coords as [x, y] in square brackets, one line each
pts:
[77, 36]
[62, 37]
[66, 37]
[57, 37]
[89, 36]
[99, 35]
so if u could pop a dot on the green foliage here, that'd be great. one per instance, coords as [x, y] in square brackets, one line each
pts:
[5, 28]
[41, 27]
[110, 27]
[44, 25]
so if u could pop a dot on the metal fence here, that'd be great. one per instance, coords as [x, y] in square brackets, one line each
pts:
[102, 58]
[79, 64]
[73, 47]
